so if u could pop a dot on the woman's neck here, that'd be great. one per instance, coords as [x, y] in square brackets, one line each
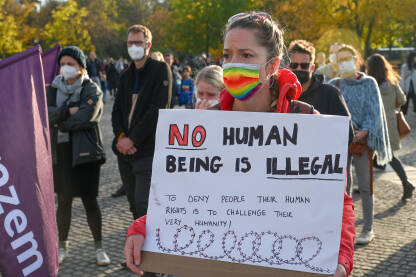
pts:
[260, 102]
[353, 75]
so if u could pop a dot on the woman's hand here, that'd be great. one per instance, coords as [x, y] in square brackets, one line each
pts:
[132, 252]
[73, 110]
[202, 105]
[359, 135]
[340, 271]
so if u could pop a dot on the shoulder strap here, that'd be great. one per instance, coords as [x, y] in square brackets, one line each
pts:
[84, 84]
[51, 95]
[337, 83]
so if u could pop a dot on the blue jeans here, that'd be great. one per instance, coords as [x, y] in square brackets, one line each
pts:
[104, 90]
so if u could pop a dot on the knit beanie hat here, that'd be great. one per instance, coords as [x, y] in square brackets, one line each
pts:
[75, 53]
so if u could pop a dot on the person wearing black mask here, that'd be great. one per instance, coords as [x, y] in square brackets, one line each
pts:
[325, 98]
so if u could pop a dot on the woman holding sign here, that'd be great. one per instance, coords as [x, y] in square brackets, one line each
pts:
[253, 46]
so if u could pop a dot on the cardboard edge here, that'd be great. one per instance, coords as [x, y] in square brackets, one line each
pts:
[189, 267]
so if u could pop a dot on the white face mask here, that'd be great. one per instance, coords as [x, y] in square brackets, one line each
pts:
[69, 72]
[333, 58]
[347, 67]
[211, 102]
[136, 52]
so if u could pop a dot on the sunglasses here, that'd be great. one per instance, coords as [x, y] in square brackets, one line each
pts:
[256, 15]
[302, 65]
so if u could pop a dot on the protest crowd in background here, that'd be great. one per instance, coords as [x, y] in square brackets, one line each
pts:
[368, 92]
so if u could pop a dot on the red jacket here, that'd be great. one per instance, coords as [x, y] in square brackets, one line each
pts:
[290, 89]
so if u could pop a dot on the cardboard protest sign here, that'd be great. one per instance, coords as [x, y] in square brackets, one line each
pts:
[261, 189]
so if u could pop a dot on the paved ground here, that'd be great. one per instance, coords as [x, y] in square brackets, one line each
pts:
[393, 253]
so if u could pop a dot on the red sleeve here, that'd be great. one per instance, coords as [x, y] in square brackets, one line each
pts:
[138, 227]
[346, 249]
[289, 89]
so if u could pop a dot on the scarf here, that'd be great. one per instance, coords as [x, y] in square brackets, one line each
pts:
[364, 102]
[68, 92]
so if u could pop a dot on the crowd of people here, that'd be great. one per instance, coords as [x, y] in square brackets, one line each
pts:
[153, 81]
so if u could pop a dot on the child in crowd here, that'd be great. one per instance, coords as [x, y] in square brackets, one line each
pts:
[187, 88]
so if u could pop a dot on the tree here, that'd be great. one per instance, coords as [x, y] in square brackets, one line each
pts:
[157, 25]
[15, 32]
[8, 34]
[69, 27]
[197, 26]
[102, 25]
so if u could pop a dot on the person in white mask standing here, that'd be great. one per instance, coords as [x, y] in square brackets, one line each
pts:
[145, 87]
[75, 107]
[363, 98]
[330, 70]
[209, 84]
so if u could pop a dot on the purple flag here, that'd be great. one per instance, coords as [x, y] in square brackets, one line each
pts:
[50, 64]
[28, 236]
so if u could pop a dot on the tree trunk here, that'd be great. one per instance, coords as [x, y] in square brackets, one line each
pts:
[390, 46]
[207, 29]
[207, 44]
[368, 37]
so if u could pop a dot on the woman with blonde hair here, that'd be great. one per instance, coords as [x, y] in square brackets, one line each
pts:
[209, 83]
[158, 56]
[393, 98]
[362, 95]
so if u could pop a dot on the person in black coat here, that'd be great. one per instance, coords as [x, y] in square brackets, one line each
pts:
[145, 87]
[75, 107]
[325, 98]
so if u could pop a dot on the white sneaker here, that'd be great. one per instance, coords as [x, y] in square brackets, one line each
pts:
[102, 257]
[365, 237]
[62, 254]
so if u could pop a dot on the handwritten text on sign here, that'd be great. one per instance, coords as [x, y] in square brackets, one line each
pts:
[255, 188]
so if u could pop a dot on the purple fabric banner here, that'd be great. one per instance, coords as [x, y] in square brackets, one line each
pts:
[50, 64]
[28, 236]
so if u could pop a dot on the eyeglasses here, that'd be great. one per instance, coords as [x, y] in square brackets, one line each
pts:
[135, 42]
[256, 15]
[302, 65]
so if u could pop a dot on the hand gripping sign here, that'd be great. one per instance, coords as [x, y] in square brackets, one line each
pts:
[237, 192]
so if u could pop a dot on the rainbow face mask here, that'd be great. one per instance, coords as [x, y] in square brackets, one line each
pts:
[242, 80]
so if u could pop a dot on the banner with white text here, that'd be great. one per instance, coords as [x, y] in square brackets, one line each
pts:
[28, 236]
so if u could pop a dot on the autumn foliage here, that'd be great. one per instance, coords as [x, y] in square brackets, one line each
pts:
[192, 26]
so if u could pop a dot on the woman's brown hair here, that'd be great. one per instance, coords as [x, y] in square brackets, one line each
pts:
[268, 34]
[379, 68]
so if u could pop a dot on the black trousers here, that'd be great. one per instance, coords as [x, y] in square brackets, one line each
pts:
[136, 176]
[410, 95]
[396, 164]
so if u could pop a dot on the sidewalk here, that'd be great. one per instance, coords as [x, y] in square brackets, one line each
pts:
[393, 253]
